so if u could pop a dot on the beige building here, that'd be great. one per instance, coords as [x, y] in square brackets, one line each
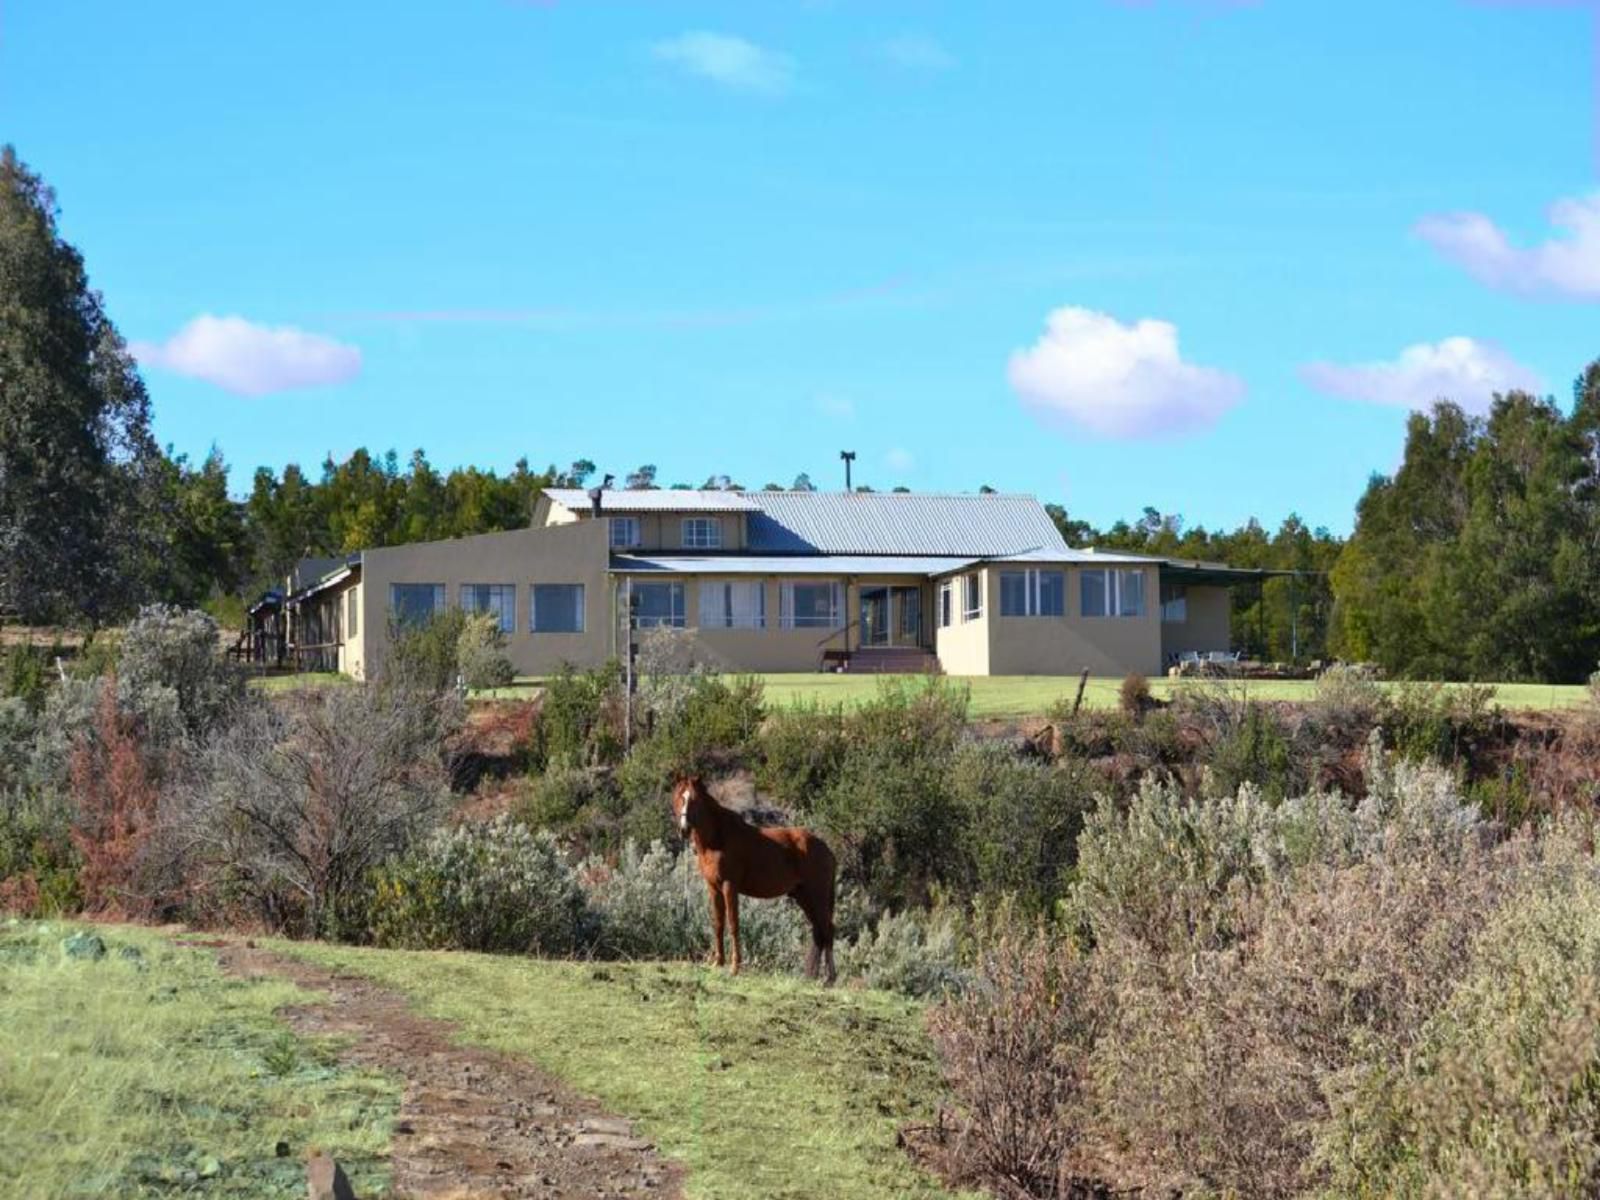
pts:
[775, 582]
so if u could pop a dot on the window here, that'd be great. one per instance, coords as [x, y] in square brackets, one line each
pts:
[658, 604]
[352, 621]
[497, 598]
[971, 597]
[624, 532]
[947, 604]
[732, 605]
[1174, 603]
[910, 612]
[1106, 593]
[556, 608]
[415, 603]
[1032, 593]
[702, 533]
[810, 605]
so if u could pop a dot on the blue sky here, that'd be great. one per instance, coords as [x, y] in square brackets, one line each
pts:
[1186, 253]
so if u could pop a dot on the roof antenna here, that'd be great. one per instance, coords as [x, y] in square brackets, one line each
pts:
[849, 457]
[594, 493]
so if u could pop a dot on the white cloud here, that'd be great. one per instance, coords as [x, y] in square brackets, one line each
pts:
[729, 61]
[1563, 266]
[1459, 368]
[251, 359]
[839, 407]
[918, 52]
[1124, 381]
[900, 459]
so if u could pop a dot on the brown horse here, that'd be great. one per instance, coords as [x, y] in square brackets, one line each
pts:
[737, 858]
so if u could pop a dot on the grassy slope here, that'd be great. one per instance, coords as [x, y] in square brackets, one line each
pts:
[123, 1077]
[763, 1086]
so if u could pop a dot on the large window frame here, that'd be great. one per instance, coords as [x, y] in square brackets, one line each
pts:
[947, 603]
[352, 604]
[573, 603]
[971, 597]
[497, 598]
[1033, 592]
[625, 533]
[1116, 591]
[702, 533]
[1174, 603]
[793, 615]
[665, 601]
[405, 602]
[733, 604]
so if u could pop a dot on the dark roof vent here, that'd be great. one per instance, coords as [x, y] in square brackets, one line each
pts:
[596, 492]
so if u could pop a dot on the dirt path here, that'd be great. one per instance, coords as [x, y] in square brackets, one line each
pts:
[472, 1122]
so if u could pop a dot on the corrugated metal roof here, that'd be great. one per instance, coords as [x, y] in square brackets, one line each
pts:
[790, 564]
[621, 500]
[899, 523]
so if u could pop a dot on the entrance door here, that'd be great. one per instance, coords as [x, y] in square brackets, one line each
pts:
[908, 604]
[875, 616]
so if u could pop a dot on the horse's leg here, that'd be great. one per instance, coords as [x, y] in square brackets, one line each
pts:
[803, 899]
[730, 900]
[825, 900]
[716, 924]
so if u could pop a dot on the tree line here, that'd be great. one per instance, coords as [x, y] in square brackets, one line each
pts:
[1476, 559]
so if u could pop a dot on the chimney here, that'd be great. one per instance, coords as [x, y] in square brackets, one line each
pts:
[595, 493]
[849, 457]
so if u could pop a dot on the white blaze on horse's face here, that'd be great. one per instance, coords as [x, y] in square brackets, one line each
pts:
[680, 806]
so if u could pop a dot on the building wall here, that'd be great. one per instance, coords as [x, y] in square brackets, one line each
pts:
[657, 530]
[1067, 644]
[963, 646]
[566, 553]
[1209, 625]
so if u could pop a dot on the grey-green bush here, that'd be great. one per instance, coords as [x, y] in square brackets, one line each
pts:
[494, 886]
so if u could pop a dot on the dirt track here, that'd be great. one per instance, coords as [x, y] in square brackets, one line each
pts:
[472, 1123]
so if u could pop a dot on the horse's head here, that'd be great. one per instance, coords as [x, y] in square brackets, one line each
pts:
[688, 801]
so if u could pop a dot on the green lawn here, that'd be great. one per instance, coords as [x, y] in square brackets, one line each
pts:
[762, 1086]
[147, 1073]
[1032, 695]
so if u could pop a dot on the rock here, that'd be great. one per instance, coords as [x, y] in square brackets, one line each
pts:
[84, 945]
[326, 1180]
[210, 1166]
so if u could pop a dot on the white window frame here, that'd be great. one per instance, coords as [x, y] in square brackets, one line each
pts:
[579, 608]
[1116, 592]
[352, 603]
[1033, 592]
[727, 604]
[786, 613]
[675, 618]
[702, 533]
[947, 603]
[971, 597]
[625, 533]
[506, 612]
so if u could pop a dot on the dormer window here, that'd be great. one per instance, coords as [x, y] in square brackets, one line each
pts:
[624, 533]
[702, 533]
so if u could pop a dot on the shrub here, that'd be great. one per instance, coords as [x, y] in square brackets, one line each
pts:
[168, 651]
[1440, 723]
[1255, 751]
[713, 724]
[481, 660]
[1020, 822]
[494, 886]
[1014, 1048]
[801, 752]
[1346, 704]
[294, 805]
[581, 718]
[654, 904]
[114, 798]
[25, 674]
[1133, 697]
[914, 952]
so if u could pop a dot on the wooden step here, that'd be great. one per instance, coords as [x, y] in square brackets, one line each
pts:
[892, 660]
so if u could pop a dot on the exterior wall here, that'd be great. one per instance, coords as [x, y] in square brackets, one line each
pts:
[566, 553]
[964, 646]
[773, 648]
[657, 530]
[1209, 625]
[1065, 645]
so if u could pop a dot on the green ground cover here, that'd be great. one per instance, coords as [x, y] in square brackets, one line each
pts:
[1032, 695]
[763, 1086]
[147, 1073]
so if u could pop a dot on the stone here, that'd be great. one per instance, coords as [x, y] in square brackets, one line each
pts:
[326, 1180]
[84, 945]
